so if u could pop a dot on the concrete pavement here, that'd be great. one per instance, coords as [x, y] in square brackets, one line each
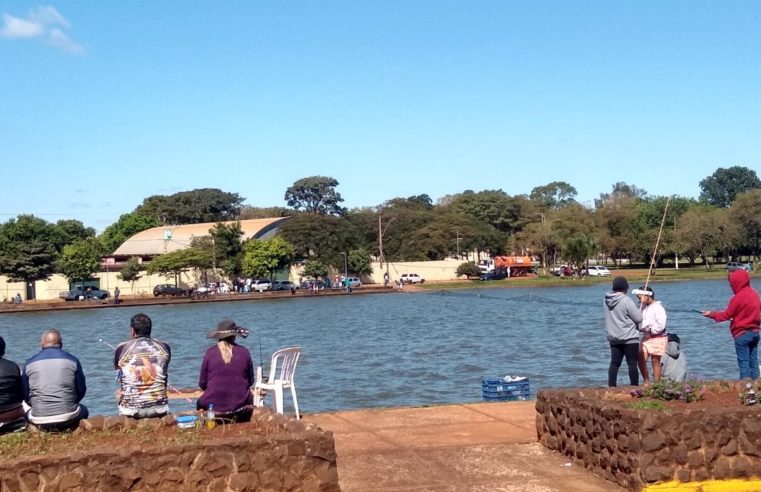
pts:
[466, 447]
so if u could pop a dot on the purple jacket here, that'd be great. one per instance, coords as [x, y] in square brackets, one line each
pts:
[226, 386]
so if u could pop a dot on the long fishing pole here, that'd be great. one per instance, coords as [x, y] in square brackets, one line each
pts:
[168, 385]
[657, 242]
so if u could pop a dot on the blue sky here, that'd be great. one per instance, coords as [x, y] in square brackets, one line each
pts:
[106, 103]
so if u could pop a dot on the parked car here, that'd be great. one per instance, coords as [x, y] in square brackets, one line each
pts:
[736, 265]
[80, 292]
[261, 285]
[283, 285]
[354, 282]
[598, 271]
[493, 275]
[169, 290]
[411, 278]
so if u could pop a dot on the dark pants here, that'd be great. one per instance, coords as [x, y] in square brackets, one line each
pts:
[69, 425]
[617, 354]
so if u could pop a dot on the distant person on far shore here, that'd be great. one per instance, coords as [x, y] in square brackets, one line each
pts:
[17, 299]
[117, 292]
[143, 365]
[654, 337]
[744, 314]
[622, 319]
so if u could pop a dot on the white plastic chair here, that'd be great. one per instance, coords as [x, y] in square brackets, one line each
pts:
[282, 372]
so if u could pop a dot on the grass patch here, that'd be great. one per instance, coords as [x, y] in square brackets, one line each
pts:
[651, 405]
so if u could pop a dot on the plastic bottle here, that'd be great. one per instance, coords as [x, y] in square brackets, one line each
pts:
[210, 422]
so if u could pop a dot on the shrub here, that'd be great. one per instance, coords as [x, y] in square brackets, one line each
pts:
[667, 390]
[468, 269]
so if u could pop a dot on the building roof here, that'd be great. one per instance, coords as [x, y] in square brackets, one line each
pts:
[160, 240]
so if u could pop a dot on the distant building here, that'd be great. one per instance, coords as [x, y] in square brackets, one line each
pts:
[160, 240]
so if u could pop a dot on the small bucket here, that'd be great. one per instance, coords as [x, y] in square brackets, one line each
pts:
[186, 421]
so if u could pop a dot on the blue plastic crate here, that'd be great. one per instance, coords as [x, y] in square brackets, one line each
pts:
[498, 389]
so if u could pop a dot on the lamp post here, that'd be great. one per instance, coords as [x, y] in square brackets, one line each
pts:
[346, 271]
[544, 246]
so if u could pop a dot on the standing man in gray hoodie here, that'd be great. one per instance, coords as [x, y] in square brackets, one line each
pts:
[622, 319]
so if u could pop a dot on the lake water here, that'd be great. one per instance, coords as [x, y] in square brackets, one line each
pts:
[364, 351]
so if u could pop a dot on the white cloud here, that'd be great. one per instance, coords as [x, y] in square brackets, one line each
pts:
[61, 41]
[44, 23]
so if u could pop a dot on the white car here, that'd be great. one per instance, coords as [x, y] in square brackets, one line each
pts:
[354, 282]
[598, 271]
[411, 278]
[261, 285]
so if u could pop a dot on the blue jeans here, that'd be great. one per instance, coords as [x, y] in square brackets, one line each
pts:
[746, 346]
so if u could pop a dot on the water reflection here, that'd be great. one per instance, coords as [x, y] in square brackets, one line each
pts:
[394, 349]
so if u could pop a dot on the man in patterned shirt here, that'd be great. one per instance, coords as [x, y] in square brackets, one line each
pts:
[143, 364]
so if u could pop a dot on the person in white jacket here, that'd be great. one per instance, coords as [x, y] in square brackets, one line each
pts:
[653, 327]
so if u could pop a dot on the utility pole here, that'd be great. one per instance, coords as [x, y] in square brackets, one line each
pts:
[458, 244]
[381, 232]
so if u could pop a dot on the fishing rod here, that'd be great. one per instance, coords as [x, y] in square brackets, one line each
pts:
[168, 385]
[657, 243]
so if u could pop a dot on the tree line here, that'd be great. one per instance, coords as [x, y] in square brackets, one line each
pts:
[548, 223]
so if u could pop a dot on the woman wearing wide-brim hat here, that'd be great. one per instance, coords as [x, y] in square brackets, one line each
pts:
[227, 374]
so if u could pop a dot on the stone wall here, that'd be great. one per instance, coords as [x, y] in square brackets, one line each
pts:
[284, 454]
[635, 447]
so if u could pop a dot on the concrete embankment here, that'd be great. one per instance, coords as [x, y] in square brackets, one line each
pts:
[476, 446]
[33, 306]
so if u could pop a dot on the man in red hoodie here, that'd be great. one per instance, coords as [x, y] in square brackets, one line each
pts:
[744, 311]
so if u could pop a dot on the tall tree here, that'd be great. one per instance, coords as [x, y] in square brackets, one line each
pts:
[620, 190]
[746, 213]
[721, 188]
[131, 272]
[315, 269]
[127, 226]
[578, 249]
[27, 249]
[316, 195]
[262, 258]
[71, 230]
[228, 249]
[359, 262]
[81, 259]
[554, 195]
[264, 212]
[192, 207]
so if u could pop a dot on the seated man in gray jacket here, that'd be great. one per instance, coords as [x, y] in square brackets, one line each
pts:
[674, 363]
[54, 384]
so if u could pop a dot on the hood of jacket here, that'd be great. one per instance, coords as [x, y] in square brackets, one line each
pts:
[613, 298]
[738, 280]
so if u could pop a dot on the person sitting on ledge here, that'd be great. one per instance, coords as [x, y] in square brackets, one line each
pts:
[11, 394]
[143, 364]
[54, 384]
[227, 374]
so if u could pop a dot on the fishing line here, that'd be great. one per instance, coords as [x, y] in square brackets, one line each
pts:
[168, 385]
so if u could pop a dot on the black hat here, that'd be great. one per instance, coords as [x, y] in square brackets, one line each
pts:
[620, 284]
[225, 329]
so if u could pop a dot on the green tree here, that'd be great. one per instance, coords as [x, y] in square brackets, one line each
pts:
[320, 237]
[27, 249]
[127, 226]
[247, 213]
[469, 269]
[131, 272]
[721, 188]
[69, 231]
[359, 262]
[192, 207]
[701, 232]
[554, 195]
[227, 247]
[746, 213]
[81, 259]
[315, 195]
[171, 265]
[262, 258]
[578, 249]
[315, 269]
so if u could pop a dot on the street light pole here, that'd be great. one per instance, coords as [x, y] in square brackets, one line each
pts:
[544, 246]
[457, 233]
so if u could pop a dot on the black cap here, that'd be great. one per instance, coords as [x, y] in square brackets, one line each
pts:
[620, 284]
